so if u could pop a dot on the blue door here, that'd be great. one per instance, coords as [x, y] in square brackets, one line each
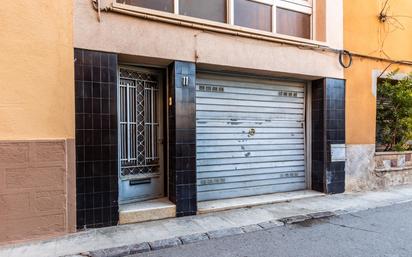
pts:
[141, 174]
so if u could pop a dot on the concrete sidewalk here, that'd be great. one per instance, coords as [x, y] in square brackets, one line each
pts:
[170, 228]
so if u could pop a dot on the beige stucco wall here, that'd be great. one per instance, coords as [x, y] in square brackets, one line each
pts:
[362, 31]
[36, 69]
[37, 162]
[143, 38]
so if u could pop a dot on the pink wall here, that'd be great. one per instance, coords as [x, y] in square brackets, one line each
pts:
[37, 195]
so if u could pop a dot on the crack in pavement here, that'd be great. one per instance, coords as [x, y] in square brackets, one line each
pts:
[353, 215]
[354, 228]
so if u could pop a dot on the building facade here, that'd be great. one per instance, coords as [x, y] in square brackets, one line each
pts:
[124, 105]
[195, 101]
[376, 33]
[37, 128]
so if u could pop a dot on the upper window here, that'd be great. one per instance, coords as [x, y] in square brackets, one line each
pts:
[214, 10]
[292, 23]
[253, 15]
[288, 17]
[160, 5]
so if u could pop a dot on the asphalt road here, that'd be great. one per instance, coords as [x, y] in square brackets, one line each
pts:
[385, 232]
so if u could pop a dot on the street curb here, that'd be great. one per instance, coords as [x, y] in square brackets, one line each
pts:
[123, 251]
[119, 251]
[295, 219]
[166, 243]
[270, 224]
[251, 228]
[194, 238]
[224, 233]
[322, 215]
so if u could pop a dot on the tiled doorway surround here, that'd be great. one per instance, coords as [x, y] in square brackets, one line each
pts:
[97, 137]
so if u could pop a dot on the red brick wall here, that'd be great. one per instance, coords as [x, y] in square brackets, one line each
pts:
[37, 192]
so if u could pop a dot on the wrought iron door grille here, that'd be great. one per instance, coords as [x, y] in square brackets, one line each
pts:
[138, 124]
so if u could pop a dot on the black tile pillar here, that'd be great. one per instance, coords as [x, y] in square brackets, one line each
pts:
[318, 136]
[328, 130]
[96, 139]
[182, 137]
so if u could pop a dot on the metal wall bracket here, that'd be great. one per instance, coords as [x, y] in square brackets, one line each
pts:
[97, 6]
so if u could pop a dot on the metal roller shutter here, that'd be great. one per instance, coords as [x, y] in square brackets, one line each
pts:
[250, 137]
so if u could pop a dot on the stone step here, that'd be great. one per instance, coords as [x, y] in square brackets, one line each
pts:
[249, 201]
[156, 209]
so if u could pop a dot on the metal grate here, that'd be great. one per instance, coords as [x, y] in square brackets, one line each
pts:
[138, 124]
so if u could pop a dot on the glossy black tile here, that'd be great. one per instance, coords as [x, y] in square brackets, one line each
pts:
[96, 59]
[105, 74]
[79, 93]
[81, 218]
[87, 57]
[336, 188]
[96, 142]
[96, 73]
[104, 60]
[105, 106]
[328, 127]
[96, 89]
[87, 89]
[87, 73]
[182, 139]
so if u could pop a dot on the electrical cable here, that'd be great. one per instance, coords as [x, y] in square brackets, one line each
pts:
[387, 67]
[342, 55]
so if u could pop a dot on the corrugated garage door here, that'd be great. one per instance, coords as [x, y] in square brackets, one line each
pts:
[250, 137]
